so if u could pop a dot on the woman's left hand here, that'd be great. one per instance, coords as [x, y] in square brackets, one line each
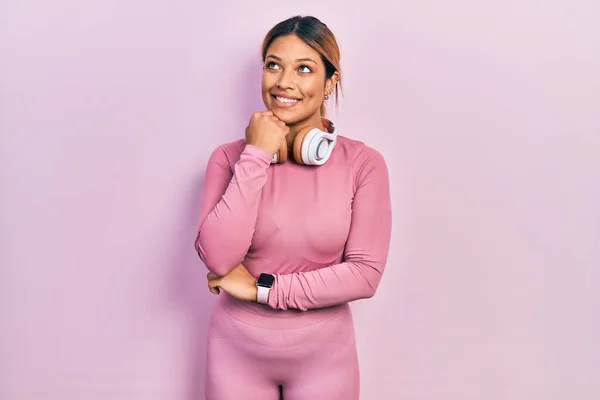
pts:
[238, 282]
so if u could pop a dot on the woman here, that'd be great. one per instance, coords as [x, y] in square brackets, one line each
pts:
[295, 222]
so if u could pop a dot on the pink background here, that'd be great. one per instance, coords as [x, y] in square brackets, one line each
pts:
[487, 112]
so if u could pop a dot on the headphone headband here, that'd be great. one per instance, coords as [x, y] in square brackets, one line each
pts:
[329, 125]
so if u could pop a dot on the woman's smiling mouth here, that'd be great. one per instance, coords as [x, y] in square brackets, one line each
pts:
[284, 101]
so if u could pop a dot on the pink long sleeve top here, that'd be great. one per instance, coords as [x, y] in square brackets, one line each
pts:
[323, 231]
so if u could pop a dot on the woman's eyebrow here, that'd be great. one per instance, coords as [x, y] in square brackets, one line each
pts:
[305, 59]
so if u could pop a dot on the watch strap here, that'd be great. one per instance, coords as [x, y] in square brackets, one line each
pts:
[262, 296]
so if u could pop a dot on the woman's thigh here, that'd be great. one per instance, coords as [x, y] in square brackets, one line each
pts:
[334, 376]
[232, 375]
[330, 371]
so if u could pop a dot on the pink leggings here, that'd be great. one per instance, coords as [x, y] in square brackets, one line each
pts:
[253, 352]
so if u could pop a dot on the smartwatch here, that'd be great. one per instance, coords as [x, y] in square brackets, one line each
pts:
[264, 283]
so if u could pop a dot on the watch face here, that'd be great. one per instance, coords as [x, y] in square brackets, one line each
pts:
[265, 280]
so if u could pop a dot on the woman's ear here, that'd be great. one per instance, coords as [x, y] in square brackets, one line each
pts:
[331, 82]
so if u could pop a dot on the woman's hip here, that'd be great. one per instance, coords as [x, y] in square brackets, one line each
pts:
[254, 326]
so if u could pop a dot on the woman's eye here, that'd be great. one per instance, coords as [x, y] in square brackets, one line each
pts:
[305, 68]
[272, 65]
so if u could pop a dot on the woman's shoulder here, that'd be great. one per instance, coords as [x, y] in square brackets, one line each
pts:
[228, 152]
[360, 153]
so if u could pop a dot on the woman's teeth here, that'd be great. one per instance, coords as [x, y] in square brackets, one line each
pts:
[286, 100]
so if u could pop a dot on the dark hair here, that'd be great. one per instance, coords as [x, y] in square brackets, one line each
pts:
[315, 34]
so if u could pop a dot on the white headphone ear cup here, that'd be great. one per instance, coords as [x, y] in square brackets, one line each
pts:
[316, 147]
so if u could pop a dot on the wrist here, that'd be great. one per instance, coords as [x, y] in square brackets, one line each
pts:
[264, 285]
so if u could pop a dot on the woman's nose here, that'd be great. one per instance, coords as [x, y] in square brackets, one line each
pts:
[286, 80]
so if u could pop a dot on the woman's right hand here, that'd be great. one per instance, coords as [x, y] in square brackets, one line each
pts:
[266, 131]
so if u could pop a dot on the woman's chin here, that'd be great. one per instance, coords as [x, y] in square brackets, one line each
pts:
[289, 117]
[285, 115]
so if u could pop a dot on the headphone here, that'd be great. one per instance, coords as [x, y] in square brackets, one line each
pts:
[312, 146]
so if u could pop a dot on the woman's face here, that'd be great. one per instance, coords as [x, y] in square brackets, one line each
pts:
[293, 80]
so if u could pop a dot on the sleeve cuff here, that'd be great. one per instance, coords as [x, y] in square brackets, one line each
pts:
[273, 294]
[257, 152]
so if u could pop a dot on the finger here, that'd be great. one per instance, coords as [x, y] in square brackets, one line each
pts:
[213, 289]
[213, 286]
[211, 275]
[260, 113]
[264, 114]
